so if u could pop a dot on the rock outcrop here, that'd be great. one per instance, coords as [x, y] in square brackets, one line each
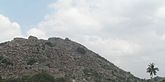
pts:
[60, 58]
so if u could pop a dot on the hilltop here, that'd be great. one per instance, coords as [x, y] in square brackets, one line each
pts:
[60, 58]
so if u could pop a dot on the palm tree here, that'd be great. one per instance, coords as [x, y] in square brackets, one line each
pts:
[152, 70]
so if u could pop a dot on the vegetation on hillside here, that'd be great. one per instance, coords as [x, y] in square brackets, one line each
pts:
[40, 77]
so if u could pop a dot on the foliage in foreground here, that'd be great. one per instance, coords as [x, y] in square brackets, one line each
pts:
[152, 70]
[41, 77]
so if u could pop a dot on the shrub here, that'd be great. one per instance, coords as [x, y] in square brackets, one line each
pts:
[41, 77]
[107, 67]
[6, 62]
[81, 50]
[163, 80]
[31, 61]
[1, 57]
[97, 80]
[15, 80]
[62, 79]
[67, 39]
[50, 44]
[2, 44]
[0, 78]
[90, 72]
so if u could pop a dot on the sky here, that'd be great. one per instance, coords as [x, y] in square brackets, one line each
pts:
[128, 33]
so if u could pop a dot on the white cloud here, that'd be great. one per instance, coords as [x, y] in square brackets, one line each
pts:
[8, 29]
[36, 32]
[111, 46]
[126, 32]
[161, 12]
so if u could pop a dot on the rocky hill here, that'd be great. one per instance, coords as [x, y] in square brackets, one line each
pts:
[61, 58]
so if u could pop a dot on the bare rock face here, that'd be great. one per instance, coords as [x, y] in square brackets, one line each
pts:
[60, 58]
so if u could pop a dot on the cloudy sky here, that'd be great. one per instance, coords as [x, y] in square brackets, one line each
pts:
[129, 33]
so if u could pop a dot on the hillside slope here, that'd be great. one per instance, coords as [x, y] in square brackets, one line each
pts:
[60, 58]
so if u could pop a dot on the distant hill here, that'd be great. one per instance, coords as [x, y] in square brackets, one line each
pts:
[60, 58]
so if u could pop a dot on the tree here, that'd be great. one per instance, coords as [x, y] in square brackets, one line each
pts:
[152, 70]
